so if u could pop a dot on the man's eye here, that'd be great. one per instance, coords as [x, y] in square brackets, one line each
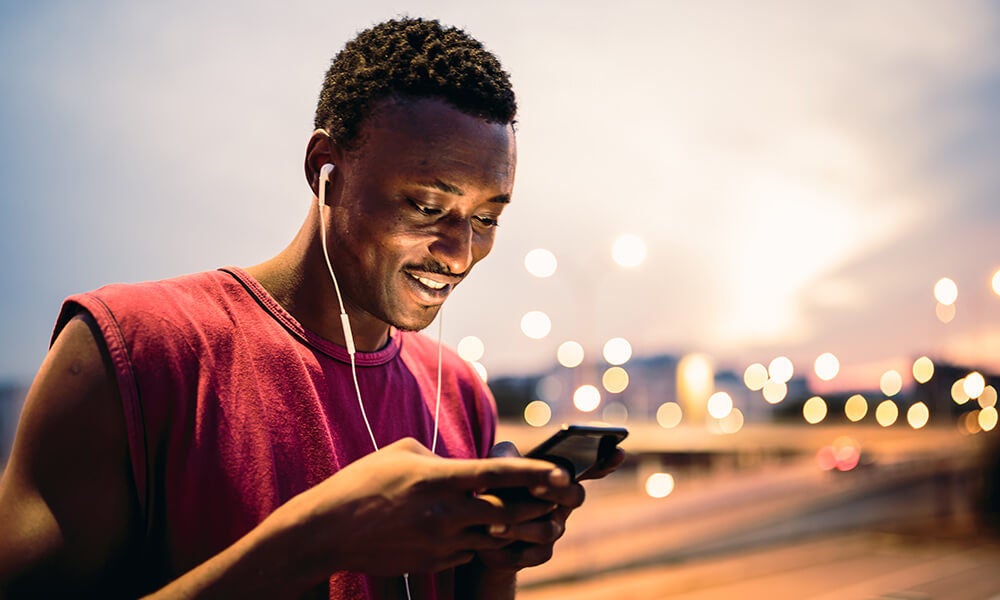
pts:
[426, 210]
[488, 221]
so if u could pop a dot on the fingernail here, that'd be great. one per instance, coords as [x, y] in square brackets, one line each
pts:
[558, 477]
[539, 490]
[497, 529]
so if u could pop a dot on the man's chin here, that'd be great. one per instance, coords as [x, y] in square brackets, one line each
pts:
[416, 322]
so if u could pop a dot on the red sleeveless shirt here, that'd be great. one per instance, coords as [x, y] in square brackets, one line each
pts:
[232, 408]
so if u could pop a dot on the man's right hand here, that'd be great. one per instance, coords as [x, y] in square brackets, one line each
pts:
[403, 509]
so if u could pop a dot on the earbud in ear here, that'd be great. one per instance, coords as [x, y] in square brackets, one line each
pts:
[324, 173]
[324, 178]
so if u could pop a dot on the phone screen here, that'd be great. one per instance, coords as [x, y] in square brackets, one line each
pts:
[577, 448]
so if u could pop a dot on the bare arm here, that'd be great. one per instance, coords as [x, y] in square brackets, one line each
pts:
[66, 498]
[68, 503]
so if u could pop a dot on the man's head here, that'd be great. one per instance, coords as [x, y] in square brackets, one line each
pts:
[418, 120]
[411, 58]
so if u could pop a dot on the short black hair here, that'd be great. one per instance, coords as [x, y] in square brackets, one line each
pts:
[411, 58]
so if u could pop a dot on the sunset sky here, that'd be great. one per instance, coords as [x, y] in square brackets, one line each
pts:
[802, 173]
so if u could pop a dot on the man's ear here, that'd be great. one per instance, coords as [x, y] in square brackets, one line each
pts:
[320, 150]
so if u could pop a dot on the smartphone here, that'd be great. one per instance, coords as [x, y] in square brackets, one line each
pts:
[579, 448]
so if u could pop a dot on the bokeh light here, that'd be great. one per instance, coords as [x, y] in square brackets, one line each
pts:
[945, 312]
[732, 422]
[695, 383]
[988, 418]
[549, 388]
[540, 263]
[781, 369]
[570, 354]
[826, 366]
[988, 398]
[537, 413]
[720, 404]
[628, 250]
[945, 291]
[536, 324]
[775, 391]
[814, 410]
[669, 415]
[615, 413]
[886, 413]
[480, 370]
[974, 385]
[617, 351]
[470, 348]
[970, 420]
[917, 415]
[659, 485]
[958, 392]
[891, 382]
[755, 376]
[586, 398]
[923, 369]
[615, 380]
[856, 408]
[996, 283]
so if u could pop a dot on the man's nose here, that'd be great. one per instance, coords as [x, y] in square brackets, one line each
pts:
[452, 245]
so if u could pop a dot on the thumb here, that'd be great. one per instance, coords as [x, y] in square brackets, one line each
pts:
[503, 449]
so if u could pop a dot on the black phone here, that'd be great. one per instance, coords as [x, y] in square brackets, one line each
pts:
[578, 448]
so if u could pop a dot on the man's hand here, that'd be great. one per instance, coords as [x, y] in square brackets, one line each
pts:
[532, 542]
[403, 509]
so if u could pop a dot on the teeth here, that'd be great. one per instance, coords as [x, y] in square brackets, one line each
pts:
[434, 285]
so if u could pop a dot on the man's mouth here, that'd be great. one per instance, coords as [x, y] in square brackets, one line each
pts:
[434, 285]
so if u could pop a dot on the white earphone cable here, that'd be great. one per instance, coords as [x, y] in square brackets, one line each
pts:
[351, 350]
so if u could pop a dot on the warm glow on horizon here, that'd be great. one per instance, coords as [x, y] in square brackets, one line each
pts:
[996, 282]
[570, 354]
[628, 250]
[945, 291]
[695, 383]
[540, 262]
[826, 366]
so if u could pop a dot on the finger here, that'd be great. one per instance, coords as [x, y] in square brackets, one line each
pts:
[518, 555]
[493, 510]
[502, 449]
[539, 531]
[476, 474]
[571, 496]
[606, 467]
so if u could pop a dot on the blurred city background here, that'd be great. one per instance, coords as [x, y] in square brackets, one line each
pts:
[763, 237]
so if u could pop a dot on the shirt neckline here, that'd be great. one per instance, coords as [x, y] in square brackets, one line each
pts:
[331, 349]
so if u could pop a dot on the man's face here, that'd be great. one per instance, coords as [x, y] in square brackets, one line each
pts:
[421, 198]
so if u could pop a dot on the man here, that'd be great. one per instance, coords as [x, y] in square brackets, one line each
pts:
[214, 435]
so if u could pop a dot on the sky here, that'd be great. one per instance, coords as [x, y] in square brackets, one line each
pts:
[802, 173]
